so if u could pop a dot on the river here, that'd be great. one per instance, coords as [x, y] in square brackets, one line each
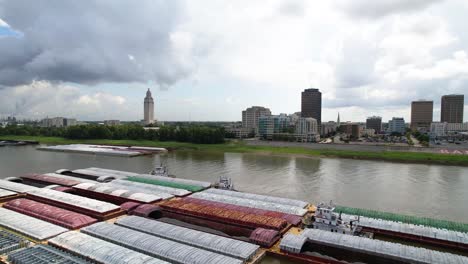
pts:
[417, 189]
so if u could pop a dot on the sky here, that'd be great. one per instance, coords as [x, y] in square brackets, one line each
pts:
[208, 60]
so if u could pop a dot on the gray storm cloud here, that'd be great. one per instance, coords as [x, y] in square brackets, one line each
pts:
[376, 9]
[91, 42]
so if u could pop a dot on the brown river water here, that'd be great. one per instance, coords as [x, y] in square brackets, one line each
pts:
[417, 189]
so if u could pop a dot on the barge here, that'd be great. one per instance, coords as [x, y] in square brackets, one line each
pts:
[127, 217]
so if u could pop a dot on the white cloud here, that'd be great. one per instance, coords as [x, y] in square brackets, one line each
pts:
[42, 98]
[3, 23]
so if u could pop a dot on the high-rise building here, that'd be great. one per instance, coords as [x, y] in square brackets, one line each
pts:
[451, 108]
[374, 122]
[148, 109]
[421, 115]
[397, 125]
[250, 117]
[311, 105]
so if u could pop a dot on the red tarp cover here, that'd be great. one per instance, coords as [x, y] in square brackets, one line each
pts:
[49, 180]
[49, 213]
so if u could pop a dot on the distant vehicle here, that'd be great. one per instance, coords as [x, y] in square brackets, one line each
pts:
[457, 142]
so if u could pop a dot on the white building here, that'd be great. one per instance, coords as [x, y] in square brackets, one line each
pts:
[328, 127]
[307, 129]
[250, 117]
[370, 132]
[438, 129]
[148, 109]
[397, 125]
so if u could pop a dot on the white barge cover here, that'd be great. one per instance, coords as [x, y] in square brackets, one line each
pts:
[119, 173]
[29, 226]
[259, 197]
[380, 248]
[288, 209]
[98, 174]
[150, 188]
[418, 230]
[6, 193]
[93, 149]
[121, 192]
[75, 200]
[16, 187]
[168, 250]
[177, 180]
[223, 245]
[123, 174]
[100, 251]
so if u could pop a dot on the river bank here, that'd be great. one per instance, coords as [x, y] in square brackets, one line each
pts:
[241, 147]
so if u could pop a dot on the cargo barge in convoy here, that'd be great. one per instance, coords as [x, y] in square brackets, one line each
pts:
[96, 215]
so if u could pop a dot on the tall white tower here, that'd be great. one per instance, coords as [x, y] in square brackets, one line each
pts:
[148, 110]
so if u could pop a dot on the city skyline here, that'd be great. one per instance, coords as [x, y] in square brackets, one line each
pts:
[376, 62]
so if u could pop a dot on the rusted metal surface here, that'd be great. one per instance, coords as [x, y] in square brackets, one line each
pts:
[264, 237]
[292, 219]
[224, 215]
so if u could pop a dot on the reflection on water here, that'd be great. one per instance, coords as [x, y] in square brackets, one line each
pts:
[424, 190]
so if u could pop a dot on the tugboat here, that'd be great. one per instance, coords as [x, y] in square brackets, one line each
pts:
[225, 183]
[161, 171]
[325, 218]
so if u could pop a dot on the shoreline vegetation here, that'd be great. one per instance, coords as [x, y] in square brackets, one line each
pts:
[241, 147]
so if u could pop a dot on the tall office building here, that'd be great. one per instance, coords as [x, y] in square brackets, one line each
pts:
[374, 122]
[451, 109]
[421, 115]
[148, 108]
[311, 105]
[251, 115]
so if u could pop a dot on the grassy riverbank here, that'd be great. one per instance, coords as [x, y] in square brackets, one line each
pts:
[240, 147]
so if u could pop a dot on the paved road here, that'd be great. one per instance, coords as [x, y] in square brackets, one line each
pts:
[456, 149]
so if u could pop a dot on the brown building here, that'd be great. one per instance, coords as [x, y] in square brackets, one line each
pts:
[451, 108]
[352, 130]
[251, 115]
[421, 115]
[311, 105]
[374, 122]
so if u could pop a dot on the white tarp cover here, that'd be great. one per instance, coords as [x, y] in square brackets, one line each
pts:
[369, 246]
[29, 226]
[219, 244]
[75, 200]
[119, 192]
[16, 187]
[6, 193]
[419, 230]
[292, 243]
[155, 246]
[123, 174]
[259, 197]
[101, 251]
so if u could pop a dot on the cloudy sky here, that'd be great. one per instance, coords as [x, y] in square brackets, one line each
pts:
[208, 60]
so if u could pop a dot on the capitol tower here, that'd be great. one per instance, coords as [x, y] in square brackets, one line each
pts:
[148, 109]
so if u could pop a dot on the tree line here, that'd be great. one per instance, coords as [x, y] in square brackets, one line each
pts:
[190, 133]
